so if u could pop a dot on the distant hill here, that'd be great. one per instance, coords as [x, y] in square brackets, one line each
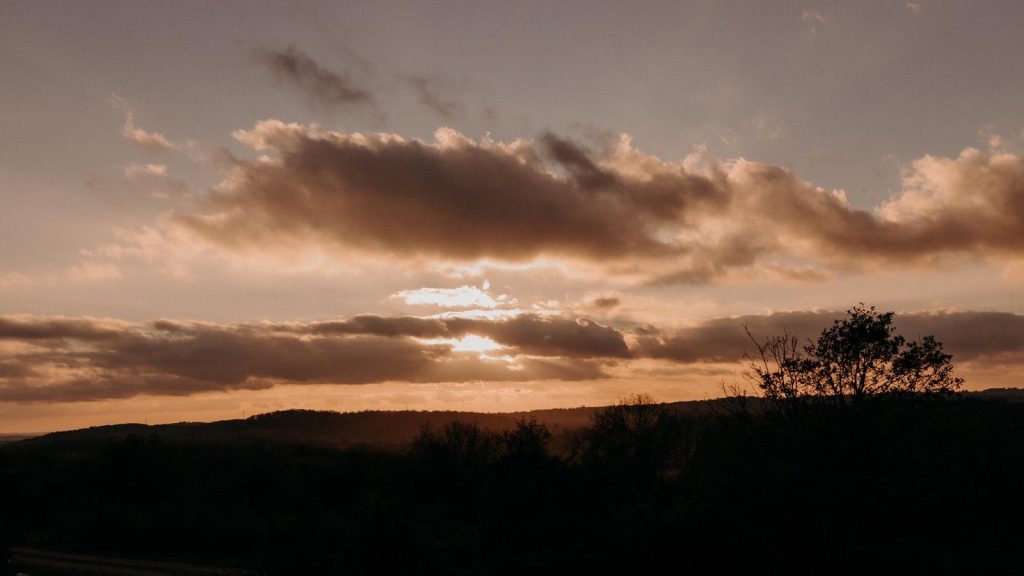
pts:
[1008, 394]
[380, 429]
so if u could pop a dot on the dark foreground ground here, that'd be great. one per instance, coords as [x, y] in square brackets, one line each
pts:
[36, 562]
[892, 483]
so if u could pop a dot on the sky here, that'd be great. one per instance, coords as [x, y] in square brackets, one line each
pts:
[218, 209]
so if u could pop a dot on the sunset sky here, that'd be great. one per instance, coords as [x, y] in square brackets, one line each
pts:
[213, 209]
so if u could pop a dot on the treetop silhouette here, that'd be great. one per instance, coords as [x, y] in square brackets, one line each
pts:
[860, 355]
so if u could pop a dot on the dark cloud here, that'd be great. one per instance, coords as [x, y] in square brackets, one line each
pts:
[688, 222]
[528, 334]
[605, 302]
[53, 328]
[578, 163]
[454, 199]
[81, 359]
[969, 336]
[16, 370]
[294, 68]
[59, 359]
[989, 336]
[542, 336]
[725, 339]
[428, 92]
[383, 326]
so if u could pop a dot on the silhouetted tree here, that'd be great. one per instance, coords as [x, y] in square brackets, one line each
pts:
[458, 443]
[636, 437]
[528, 441]
[857, 356]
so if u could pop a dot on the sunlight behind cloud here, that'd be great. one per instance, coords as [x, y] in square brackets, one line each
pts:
[461, 297]
[468, 343]
[478, 314]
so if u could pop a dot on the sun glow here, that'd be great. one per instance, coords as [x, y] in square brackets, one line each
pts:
[468, 343]
[461, 297]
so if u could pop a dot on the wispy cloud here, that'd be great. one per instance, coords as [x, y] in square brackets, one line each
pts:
[605, 302]
[812, 19]
[429, 93]
[297, 70]
[767, 126]
[150, 141]
[94, 272]
[14, 280]
[145, 169]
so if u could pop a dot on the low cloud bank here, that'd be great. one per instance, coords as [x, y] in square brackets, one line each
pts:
[58, 359]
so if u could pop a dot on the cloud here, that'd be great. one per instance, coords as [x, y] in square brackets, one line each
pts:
[373, 325]
[133, 170]
[605, 302]
[50, 359]
[57, 327]
[80, 359]
[454, 199]
[529, 334]
[991, 138]
[14, 280]
[94, 272]
[294, 68]
[914, 8]
[545, 336]
[427, 90]
[149, 141]
[767, 126]
[972, 203]
[169, 248]
[619, 210]
[812, 19]
[969, 336]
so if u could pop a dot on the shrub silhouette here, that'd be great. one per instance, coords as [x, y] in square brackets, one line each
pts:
[857, 356]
